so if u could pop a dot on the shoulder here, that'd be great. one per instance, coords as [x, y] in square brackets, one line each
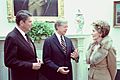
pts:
[50, 37]
[13, 33]
[106, 39]
[66, 38]
[107, 42]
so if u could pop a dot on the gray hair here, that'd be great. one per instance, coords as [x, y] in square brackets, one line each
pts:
[59, 22]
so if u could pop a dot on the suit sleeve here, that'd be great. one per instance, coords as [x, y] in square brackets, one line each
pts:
[47, 55]
[111, 59]
[10, 55]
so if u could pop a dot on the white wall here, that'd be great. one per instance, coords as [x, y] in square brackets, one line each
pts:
[5, 27]
[92, 10]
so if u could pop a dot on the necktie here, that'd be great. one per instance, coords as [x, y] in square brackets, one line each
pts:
[63, 44]
[30, 43]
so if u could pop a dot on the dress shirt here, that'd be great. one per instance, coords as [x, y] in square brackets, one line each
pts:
[22, 32]
[59, 38]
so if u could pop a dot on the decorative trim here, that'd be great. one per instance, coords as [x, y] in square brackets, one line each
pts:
[2, 38]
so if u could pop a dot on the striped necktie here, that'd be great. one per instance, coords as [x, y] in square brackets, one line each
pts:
[63, 44]
[29, 41]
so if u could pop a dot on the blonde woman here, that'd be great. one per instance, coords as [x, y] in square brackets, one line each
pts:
[100, 54]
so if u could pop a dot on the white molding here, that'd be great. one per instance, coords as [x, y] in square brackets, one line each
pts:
[2, 38]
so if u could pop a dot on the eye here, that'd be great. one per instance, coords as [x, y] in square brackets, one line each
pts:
[93, 30]
[65, 26]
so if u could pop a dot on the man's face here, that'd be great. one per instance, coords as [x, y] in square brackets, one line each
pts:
[27, 25]
[62, 29]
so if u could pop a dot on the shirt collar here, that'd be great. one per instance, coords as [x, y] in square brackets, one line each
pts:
[22, 32]
[58, 36]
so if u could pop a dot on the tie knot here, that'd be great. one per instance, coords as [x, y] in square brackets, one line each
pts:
[27, 37]
[61, 37]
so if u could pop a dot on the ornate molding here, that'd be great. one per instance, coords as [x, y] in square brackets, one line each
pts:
[10, 10]
[61, 8]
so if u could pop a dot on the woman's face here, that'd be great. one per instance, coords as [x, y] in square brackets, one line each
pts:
[95, 35]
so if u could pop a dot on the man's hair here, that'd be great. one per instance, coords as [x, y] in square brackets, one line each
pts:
[22, 15]
[59, 22]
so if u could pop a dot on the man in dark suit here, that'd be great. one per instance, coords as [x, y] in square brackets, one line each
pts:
[57, 53]
[19, 51]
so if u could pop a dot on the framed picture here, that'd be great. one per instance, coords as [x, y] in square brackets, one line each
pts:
[116, 14]
[43, 10]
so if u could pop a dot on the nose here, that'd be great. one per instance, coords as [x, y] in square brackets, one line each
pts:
[92, 33]
[66, 28]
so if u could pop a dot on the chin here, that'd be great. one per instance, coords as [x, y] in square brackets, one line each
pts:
[94, 39]
[63, 34]
[29, 29]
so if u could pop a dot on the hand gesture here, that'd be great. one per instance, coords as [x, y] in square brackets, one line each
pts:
[39, 61]
[63, 70]
[75, 54]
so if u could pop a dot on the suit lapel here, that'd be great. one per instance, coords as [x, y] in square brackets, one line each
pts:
[22, 39]
[55, 39]
[67, 44]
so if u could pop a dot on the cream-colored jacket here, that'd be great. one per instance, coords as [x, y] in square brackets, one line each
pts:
[102, 60]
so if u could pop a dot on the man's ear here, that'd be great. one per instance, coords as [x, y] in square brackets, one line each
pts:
[21, 23]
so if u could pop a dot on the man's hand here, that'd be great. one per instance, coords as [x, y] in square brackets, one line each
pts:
[75, 55]
[39, 61]
[63, 70]
[36, 66]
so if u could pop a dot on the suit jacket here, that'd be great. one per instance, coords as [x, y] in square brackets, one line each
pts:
[54, 57]
[19, 56]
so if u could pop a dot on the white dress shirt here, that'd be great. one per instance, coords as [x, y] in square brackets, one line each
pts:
[58, 36]
[22, 32]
